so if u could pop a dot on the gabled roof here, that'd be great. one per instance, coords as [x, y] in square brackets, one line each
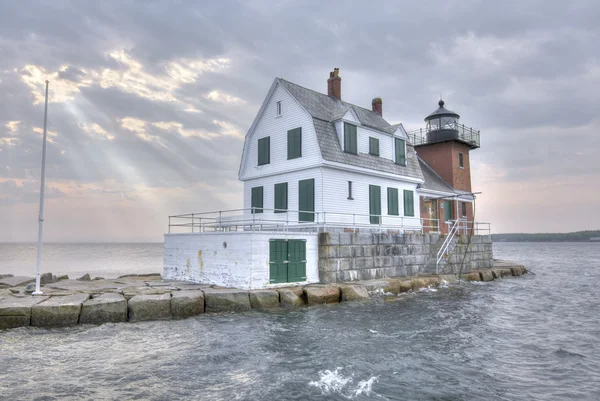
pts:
[330, 108]
[433, 181]
[332, 151]
[326, 109]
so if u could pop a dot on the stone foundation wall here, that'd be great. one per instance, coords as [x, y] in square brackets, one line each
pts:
[365, 256]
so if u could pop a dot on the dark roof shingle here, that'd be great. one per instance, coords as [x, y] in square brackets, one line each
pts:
[432, 180]
[326, 109]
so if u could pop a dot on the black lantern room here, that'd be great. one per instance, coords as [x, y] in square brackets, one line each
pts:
[442, 126]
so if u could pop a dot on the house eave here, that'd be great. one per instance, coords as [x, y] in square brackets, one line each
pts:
[375, 173]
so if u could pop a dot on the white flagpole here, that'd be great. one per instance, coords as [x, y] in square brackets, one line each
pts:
[41, 217]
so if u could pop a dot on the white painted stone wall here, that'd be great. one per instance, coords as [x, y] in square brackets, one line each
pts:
[242, 263]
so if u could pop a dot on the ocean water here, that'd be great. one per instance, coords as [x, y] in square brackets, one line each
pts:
[75, 260]
[530, 338]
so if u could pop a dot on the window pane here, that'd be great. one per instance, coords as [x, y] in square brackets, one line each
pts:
[393, 201]
[281, 198]
[295, 143]
[409, 203]
[374, 203]
[374, 146]
[264, 151]
[350, 138]
[256, 201]
[400, 145]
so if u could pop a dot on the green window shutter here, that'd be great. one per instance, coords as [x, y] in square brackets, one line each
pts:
[294, 143]
[374, 204]
[374, 146]
[392, 201]
[306, 200]
[409, 203]
[264, 151]
[400, 145]
[350, 139]
[281, 197]
[256, 201]
[447, 210]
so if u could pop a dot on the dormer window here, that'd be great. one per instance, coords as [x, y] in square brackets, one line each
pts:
[400, 150]
[373, 146]
[350, 139]
[279, 108]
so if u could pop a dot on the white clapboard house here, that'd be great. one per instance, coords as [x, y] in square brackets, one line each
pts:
[313, 158]
[313, 163]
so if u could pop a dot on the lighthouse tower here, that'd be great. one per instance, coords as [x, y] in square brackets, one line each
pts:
[445, 145]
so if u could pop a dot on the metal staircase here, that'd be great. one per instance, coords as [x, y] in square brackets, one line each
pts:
[449, 243]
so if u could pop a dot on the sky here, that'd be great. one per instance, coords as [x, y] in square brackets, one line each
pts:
[150, 101]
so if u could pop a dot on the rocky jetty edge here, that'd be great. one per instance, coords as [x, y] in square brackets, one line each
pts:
[135, 298]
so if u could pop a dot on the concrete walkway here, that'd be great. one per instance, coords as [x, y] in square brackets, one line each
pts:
[148, 297]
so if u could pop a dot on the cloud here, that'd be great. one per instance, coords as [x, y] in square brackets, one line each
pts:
[154, 99]
[97, 130]
[19, 191]
[13, 126]
[223, 97]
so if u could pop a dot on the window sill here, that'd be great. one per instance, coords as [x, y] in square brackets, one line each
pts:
[350, 198]
[292, 158]
[279, 116]
[264, 164]
[351, 153]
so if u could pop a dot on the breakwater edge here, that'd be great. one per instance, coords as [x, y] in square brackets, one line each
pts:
[135, 298]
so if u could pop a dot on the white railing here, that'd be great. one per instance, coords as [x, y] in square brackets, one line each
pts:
[263, 219]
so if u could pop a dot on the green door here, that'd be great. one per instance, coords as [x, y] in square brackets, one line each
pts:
[278, 261]
[374, 203]
[447, 210]
[306, 200]
[296, 260]
[287, 261]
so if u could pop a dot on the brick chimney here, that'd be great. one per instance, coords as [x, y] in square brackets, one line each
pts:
[334, 84]
[377, 106]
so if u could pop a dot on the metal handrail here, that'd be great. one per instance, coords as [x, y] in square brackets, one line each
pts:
[446, 244]
[268, 220]
[467, 134]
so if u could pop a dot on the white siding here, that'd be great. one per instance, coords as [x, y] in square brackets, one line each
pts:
[386, 142]
[335, 198]
[292, 116]
[243, 263]
[292, 178]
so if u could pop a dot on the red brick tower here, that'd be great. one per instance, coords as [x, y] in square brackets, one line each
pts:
[445, 145]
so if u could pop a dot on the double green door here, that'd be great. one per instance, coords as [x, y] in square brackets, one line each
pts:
[287, 260]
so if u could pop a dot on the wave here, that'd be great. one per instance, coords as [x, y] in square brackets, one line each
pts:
[342, 383]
